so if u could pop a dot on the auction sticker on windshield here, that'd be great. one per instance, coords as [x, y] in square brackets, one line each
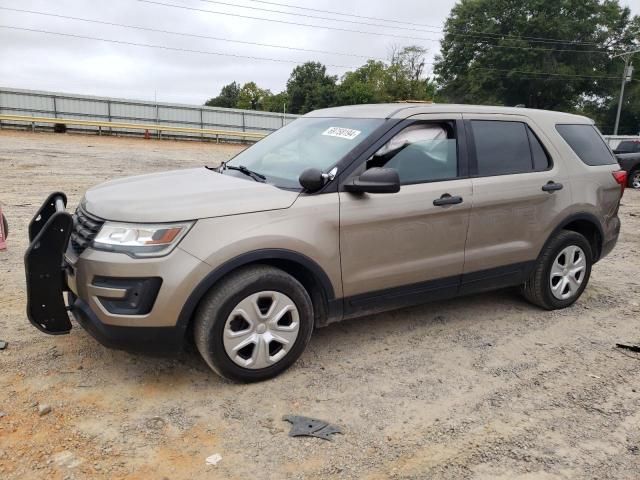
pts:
[340, 132]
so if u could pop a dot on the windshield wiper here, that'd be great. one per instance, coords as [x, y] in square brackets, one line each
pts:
[258, 177]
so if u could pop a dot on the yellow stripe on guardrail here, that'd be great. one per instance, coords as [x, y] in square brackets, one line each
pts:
[132, 126]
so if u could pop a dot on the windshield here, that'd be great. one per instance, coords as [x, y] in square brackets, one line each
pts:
[307, 142]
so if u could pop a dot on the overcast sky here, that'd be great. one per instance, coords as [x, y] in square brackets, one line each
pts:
[42, 61]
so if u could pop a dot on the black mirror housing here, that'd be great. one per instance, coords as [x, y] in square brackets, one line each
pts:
[311, 179]
[375, 180]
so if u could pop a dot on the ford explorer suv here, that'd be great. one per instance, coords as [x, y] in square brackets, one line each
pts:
[343, 213]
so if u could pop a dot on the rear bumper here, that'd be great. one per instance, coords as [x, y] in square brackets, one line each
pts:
[611, 237]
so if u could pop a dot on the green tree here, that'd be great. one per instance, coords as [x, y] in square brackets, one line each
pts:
[489, 55]
[252, 97]
[367, 84]
[309, 88]
[406, 74]
[275, 103]
[228, 97]
[603, 110]
[377, 82]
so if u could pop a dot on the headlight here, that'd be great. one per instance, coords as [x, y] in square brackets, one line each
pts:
[144, 240]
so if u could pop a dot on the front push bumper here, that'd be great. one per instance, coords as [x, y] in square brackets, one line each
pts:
[49, 275]
[49, 234]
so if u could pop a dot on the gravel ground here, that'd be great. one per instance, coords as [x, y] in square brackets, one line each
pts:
[481, 387]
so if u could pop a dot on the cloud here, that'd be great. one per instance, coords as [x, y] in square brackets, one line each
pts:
[47, 62]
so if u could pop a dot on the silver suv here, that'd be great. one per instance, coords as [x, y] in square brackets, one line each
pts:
[343, 213]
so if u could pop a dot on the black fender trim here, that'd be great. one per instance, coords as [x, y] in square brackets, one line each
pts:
[255, 257]
[589, 217]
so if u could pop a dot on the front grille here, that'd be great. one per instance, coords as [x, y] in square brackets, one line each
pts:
[85, 229]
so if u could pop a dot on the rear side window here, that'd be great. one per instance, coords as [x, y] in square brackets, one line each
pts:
[587, 144]
[507, 147]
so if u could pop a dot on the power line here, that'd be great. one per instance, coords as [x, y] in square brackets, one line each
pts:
[183, 34]
[184, 7]
[439, 28]
[163, 47]
[333, 12]
[536, 49]
[474, 33]
[552, 74]
[206, 52]
[320, 18]
[195, 9]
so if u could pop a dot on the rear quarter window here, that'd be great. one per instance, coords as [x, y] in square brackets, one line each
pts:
[587, 143]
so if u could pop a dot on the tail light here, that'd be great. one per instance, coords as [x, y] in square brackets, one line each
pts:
[621, 178]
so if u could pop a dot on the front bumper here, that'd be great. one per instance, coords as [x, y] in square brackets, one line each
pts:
[125, 303]
[163, 340]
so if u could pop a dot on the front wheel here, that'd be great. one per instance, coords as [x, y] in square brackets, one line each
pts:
[561, 273]
[254, 324]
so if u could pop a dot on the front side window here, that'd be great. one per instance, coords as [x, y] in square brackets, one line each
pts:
[420, 153]
[587, 143]
[307, 142]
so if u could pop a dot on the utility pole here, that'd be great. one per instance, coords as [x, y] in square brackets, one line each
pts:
[626, 77]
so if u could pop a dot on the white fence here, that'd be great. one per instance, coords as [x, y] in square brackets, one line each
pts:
[103, 109]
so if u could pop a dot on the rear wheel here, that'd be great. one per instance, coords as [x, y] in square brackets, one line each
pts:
[255, 324]
[634, 179]
[561, 273]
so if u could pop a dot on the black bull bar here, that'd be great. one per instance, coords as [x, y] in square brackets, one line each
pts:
[44, 265]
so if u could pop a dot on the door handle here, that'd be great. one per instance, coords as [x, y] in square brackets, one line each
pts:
[447, 199]
[552, 186]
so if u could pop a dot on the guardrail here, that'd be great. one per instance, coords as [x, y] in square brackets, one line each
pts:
[134, 126]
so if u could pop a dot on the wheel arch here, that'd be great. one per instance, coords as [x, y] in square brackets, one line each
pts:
[585, 224]
[302, 268]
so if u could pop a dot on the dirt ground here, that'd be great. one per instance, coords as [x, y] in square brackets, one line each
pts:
[486, 386]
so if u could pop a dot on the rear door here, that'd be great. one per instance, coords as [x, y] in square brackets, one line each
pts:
[518, 191]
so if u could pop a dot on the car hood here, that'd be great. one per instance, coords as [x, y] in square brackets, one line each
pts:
[182, 195]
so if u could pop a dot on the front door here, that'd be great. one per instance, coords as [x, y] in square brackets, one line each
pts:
[408, 247]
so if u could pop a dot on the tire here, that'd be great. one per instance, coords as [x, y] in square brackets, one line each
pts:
[634, 179]
[5, 227]
[538, 287]
[253, 287]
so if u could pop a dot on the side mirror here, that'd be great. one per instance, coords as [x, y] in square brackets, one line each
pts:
[312, 179]
[375, 180]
